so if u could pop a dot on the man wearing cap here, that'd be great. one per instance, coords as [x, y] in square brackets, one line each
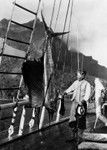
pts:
[81, 90]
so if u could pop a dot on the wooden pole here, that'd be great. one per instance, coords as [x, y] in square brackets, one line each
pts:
[45, 95]
[22, 121]
[58, 114]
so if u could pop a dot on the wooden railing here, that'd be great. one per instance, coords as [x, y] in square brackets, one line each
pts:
[22, 127]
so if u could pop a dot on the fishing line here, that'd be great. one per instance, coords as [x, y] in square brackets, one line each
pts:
[52, 13]
[58, 14]
[62, 35]
[68, 33]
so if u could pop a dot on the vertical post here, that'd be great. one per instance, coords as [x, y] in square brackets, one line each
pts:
[45, 89]
[32, 121]
[11, 128]
[22, 121]
[58, 114]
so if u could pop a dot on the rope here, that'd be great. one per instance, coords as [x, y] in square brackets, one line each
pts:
[82, 57]
[78, 58]
[68, 30]
[70, 27]
[52, 13]
[82, 64]
[66, 17]
[79, 66]
[58, 14]
[62, 35]
[70, 21]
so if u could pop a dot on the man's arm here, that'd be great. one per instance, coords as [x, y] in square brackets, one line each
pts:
[71, 89]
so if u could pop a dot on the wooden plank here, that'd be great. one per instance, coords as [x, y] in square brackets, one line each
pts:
[21, 25]
[99, 137]
[14, 52]
[14, 88]
[25, 9]
[15, 40]
[12, 56]
[11, 105]
[12, 73]
[93, 146]
[53, 126]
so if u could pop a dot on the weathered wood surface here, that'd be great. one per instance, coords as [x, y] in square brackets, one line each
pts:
[92, 146]
[55, 138]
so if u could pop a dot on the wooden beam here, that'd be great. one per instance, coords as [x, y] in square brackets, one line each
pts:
[12, 73]
[11, 105]
[21, 25]
[25, 9]
[92, 146]
[8, 38]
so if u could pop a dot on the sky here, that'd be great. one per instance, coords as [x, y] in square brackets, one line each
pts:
[88, 32]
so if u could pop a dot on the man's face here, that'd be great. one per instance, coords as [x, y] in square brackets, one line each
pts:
[80, 76]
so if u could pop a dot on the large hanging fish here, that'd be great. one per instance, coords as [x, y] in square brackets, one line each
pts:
[33, 77]
[50, 64]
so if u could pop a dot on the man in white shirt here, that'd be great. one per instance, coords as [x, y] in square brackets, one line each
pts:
[81, 90]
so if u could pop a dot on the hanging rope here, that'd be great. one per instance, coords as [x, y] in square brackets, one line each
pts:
[82, 62]
[64, 29]
[82, 56]
[66, 17]
[70, 22]
[52, 13]
[58, 14]
[62, 35]
[69, 28]
[78, 58]
[68, 33]
[79, 62]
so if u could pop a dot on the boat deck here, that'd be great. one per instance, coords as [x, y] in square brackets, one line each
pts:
[56, 137]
